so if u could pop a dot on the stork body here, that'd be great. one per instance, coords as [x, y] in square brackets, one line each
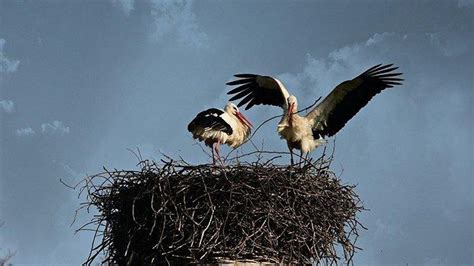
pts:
[298, 130]
[215, 127]
[306, 133]
[298, 133]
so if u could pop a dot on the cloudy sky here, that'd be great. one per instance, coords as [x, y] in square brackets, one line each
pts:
[83, 81]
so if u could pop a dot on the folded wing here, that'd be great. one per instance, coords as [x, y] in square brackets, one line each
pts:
[210, 119]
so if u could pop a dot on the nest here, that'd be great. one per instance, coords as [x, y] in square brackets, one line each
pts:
[172, 212]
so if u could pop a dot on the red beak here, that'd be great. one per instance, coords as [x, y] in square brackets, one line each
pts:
[244, 119]
[290, 112]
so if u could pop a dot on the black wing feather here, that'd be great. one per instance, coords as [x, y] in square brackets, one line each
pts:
[239, 88]
[257, 90]
[350, 97]
[240, 81]
[240, 94]
[210, 119]
[245, 75]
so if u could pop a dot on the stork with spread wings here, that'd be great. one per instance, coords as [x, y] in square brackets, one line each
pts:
[306, 133]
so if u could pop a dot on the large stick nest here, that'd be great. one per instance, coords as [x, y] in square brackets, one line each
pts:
[172, 212]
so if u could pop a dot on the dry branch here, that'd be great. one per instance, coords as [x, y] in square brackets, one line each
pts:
[172, 212]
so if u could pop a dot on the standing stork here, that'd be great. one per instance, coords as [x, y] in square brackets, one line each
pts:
[215, 126]
[306, 133]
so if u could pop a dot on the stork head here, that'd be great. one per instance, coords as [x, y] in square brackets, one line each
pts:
[292, 107]
[234, 110]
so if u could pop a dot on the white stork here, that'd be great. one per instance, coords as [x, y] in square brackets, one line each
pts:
[215, 126]
[305, 133]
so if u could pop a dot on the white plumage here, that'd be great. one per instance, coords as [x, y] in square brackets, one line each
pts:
[306, 133]
[215, 126]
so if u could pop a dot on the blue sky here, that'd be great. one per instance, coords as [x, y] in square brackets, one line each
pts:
[82, 82]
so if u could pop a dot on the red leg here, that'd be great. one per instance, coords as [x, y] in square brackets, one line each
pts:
[218, 150]
[214, 151]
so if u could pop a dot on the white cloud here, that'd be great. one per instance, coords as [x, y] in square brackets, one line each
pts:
[317, 74]
[449, 44]
[126, 5]
[171, 19]
[7, 106]
[7, 65]
[54, 127]
[24, 132]
[320, 75]
[378, 37]
[465, 3]
[177, 17]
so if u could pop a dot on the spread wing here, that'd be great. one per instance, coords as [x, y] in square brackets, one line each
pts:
[349, 97]
[258, 90]
[211, 119]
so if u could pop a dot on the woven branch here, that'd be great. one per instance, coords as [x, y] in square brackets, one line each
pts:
[172, 212]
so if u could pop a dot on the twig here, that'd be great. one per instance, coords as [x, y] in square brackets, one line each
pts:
[173, 212]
